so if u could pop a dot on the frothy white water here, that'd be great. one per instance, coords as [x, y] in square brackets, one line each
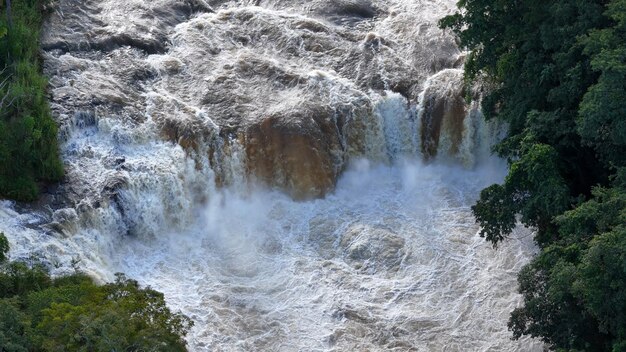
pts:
[390, 260]
[400, 127]
[167, 110]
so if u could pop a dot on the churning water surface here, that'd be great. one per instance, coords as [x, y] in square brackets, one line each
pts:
[170, 110]
[390, 260]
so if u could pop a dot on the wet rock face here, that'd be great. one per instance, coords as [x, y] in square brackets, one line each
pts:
[445, 110]
[294, 82]
[295, 152]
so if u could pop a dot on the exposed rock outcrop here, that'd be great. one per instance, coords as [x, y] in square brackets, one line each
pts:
[445, 110]
[295, 152]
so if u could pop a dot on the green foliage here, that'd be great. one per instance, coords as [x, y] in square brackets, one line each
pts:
[29, 151]
[536, 170]
[601, 122]
[17, 279]
[530, 54]
[575, 290]
[13, 328]
[601, 283]
[115, 317]
[4, 248]
[556, 73]
[72, 313]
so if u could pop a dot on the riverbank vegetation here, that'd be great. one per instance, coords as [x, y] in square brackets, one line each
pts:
[555, 71]
[72, 313]
[29, 153]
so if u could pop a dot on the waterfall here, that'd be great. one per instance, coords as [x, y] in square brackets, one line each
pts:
[292, 174]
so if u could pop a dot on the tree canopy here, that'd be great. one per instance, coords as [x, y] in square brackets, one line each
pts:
[72, 313]
[555, 72]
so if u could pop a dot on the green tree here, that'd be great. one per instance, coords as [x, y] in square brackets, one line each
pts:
[602, 122]
[72, 313]
[13, 328]
[115, 317]
[529, 57]
[555, 71]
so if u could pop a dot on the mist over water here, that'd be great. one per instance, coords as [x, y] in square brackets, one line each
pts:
[294, 175]
[390, 260]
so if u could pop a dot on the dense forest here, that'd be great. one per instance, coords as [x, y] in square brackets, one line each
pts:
[29, 153]
[555, 72]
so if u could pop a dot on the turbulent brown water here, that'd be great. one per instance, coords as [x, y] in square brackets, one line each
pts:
[293, 175]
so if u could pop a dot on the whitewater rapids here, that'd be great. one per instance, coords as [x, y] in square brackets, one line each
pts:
[390, 261]
[293, 175]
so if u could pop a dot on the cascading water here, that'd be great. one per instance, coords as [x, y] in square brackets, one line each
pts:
[189, 128]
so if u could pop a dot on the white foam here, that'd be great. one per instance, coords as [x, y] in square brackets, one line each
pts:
[390, 260]
[261, 272]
